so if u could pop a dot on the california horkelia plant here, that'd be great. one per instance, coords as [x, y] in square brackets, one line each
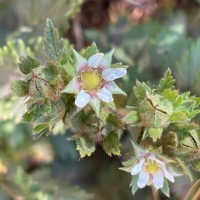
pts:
[78, 91]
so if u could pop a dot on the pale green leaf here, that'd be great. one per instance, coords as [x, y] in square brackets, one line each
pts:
[85, 146]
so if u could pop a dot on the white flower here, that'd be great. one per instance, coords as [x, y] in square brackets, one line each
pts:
[94, 80]
[151, 171]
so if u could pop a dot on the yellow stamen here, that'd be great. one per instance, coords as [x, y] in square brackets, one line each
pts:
[90, 80]
[152, 167]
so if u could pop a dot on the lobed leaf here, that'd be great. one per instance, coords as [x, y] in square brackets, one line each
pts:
[27, 64]
[19, 88]
[85, 146]
[111, 144]
[166, 82]
[53, 46]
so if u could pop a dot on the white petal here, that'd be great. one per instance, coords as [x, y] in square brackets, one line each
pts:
[113, 73]
[95, 103]
[153, 157]
[72, 87]
[80, 61]
[167, 174]
[82, 99]
[94, 60]
[158, 178]
[107, 59]
[137, 167]
[114, 89]
[143, 178]
[105, 95]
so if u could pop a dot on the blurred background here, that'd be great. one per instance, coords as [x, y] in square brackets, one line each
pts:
[148, 35]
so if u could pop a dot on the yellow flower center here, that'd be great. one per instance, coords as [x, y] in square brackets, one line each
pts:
[90, 80]
[152, 167]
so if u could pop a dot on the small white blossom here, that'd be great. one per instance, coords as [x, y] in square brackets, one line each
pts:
[152, 170]
[94, 80]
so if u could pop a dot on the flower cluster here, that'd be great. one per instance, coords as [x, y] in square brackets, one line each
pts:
[94, 80]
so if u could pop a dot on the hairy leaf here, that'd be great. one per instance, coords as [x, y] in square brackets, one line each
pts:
[53, 46]
[27, 64]
[166, 82]
[19, 88]
[111, 144]
[85, 146]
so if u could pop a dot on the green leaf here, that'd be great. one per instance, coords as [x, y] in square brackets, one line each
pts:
[28, 116]
[40, 130]
[111, 144]
[77, 119]
[27, 64]
[115, 121]
[19, 88]
[161, 119]
[133, 183]
[53, 46]
[91, 50]
[140, 90]
[170, 95]
[196, 164]
[165, 188]
[178, 101]
[179, 116]
[166, 82]
[185, 168]
[85, 146]
[131, 117]
[155, 133]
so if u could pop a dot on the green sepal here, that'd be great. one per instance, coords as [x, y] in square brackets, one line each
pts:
[111, 144]
[27, 64]
[185, 168]
[133, 183]
[138, 149]
[196, 164]
[155, 133]
[128, 165]
[19, 88]
[53, 46]
[28, 117]
[91, 50]
[95, 104]
[141, 89]
[145, 133]
[119, 65]
[165, 188]
[85, 146]
[131, 117]
[69, 69]
[166, 82]
[107, 59]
